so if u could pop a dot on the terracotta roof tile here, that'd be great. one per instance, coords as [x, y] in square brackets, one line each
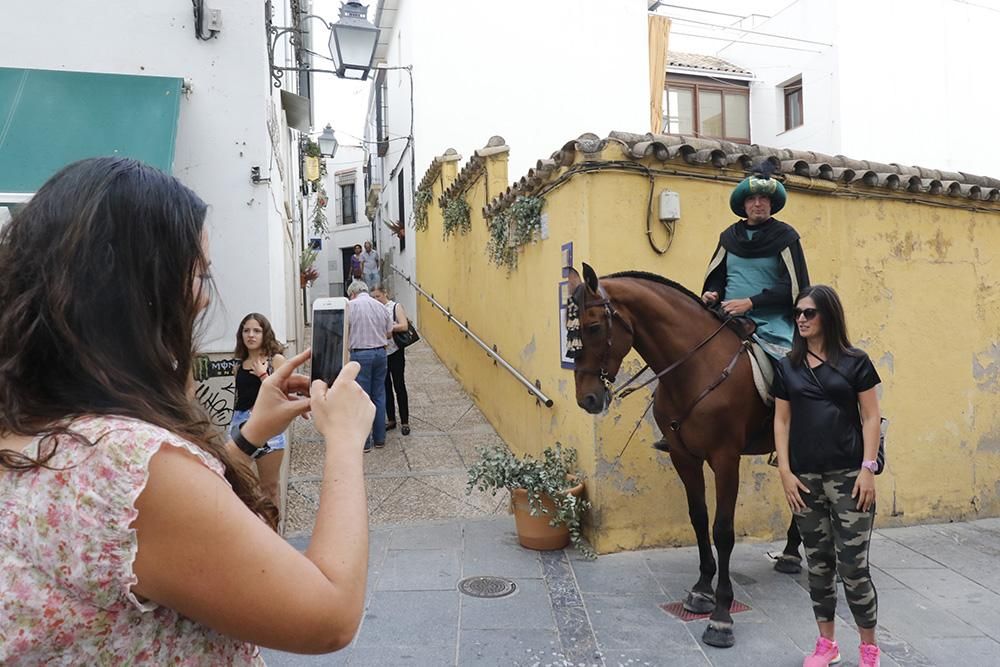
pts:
[698, 61]
[847, 172]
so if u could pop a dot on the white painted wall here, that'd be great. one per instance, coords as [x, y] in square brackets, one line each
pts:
[537, 73]
[222, 128]
[348, 161]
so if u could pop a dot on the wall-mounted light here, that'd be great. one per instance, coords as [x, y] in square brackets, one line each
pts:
[352, 42]
[327, 142]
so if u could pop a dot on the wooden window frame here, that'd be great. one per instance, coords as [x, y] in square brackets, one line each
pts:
[696, 85]
[789, 91]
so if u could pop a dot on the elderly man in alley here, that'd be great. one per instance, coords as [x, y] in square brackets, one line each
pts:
[369, 329]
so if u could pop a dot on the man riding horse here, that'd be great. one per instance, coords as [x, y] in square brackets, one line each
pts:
[758, 266]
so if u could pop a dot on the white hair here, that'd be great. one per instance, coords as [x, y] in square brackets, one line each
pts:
[356, 288]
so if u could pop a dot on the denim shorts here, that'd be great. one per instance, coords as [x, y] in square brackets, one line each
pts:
[240, 416]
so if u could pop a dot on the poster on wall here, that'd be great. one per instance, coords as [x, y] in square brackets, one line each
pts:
[567, 262]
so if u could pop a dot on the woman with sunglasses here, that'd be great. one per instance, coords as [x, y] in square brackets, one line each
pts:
[132, 534]
[826, 434]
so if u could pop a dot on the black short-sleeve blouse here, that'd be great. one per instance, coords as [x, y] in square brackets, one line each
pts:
[822, 436]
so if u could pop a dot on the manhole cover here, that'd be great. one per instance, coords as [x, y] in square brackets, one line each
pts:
[487, 587]
[677, 609]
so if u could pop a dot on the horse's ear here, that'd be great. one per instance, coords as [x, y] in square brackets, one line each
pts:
[590, 277]
[573, 278]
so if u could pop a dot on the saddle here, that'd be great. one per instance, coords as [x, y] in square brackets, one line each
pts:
[760, 362]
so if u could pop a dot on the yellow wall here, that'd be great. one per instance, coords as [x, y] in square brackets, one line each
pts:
[920, 280]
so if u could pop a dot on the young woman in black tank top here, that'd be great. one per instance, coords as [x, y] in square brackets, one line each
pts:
[259, 354]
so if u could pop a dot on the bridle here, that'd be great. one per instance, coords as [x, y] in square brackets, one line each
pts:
[610, 314]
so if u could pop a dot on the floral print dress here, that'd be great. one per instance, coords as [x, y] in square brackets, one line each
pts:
[66, 554]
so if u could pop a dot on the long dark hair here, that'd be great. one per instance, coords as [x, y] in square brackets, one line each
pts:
[831, 319]
[98, 311]
[268, 342]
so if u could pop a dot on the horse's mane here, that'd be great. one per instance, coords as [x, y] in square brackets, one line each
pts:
[653, 277]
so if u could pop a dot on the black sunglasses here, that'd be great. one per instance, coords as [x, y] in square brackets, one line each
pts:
[808, 313]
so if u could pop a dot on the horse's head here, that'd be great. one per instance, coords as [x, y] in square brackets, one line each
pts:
[598, 338]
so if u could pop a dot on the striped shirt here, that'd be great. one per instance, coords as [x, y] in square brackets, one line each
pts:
[369, 323]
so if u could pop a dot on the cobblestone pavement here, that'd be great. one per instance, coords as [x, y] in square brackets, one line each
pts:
[419, 477]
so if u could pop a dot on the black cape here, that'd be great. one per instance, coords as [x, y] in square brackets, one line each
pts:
[770, 239]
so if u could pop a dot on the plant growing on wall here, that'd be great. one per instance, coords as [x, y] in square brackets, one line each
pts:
[307, 268]
[318, 220]
[320, 225]
[421, 200]
[499, 248]
[456, 217]
[520, 223]
[526, 214]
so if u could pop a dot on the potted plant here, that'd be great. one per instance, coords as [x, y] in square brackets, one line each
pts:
[546, 494]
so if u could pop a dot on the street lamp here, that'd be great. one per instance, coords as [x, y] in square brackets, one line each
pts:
[327, 142]
[352, 42]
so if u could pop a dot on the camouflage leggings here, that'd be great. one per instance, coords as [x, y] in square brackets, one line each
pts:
[836, 535]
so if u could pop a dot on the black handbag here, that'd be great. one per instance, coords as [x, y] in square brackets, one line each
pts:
[883, 424]
[406, 338]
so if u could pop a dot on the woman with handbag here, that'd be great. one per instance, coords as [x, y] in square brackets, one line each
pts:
[826, 434]
[396, 377]
[259, 354]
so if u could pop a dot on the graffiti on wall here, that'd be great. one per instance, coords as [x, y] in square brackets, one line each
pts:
[215, 387]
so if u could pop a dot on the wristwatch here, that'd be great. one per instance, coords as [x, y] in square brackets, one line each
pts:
[870, 465]
[247, 447]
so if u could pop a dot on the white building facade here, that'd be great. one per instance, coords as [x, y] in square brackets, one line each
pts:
[232, 141]
[535, 73]
[891, 81]
[347, 224]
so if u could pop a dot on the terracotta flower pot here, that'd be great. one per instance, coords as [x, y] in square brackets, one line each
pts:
[534, 532]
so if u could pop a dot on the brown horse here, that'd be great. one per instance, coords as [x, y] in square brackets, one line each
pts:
[705, 403]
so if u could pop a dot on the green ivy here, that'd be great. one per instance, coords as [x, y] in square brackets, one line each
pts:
[526, 212]
[320, 226]
[421, 200]
[456, 217]
[499, 248]
[498, 468]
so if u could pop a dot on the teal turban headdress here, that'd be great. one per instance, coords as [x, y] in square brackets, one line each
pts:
[758, 184]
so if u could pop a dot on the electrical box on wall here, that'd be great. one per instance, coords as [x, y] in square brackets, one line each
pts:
[670, 205]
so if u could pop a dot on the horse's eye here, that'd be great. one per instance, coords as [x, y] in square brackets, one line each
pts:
[594, 328]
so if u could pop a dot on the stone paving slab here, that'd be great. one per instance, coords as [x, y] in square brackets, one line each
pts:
[938, 585]
[570, 612]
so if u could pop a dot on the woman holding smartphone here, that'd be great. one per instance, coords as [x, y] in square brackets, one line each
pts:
[826, 435]
[259, 354]
[132, 534]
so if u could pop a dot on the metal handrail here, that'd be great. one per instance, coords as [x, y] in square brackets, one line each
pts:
[532, 388]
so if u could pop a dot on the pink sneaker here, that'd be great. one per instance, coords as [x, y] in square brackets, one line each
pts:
[868, 655]
[826, 653]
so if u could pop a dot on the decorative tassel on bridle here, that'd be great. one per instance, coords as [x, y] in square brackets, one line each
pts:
[574, 342]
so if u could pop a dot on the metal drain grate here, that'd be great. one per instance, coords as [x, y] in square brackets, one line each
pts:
[677, 609]
[487, 587]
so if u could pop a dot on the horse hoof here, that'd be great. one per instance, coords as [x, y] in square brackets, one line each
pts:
[699, 603]
[788, 565]
[719, 635]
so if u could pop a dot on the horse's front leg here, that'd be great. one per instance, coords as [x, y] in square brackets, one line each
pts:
[701, 598]
[719, 632]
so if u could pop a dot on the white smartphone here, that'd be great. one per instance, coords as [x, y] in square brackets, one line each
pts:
[330, 350]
